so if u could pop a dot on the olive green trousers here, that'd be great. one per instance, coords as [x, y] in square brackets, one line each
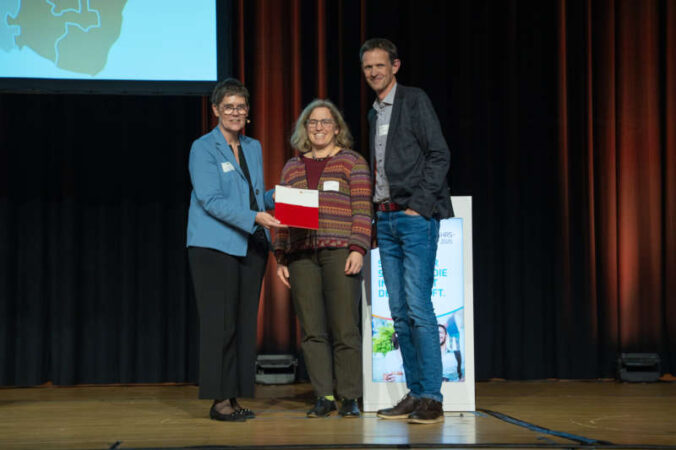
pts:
[327, 304]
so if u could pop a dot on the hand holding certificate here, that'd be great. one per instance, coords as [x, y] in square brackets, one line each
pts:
[297, 207]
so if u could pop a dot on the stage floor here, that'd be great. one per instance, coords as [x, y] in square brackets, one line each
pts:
[549, 414]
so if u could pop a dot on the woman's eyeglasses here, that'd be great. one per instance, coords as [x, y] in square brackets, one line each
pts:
[229, 109]
[326, 123]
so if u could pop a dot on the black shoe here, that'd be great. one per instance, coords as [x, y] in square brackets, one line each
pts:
[245, 412]
[323, 408]
[349, 408]
[428, 411]
[401, 410]
[232, 417]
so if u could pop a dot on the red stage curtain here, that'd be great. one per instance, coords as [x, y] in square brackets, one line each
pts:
[669, 172]
[617, 168]
[275, 83]
[616, 253]
[282, 56]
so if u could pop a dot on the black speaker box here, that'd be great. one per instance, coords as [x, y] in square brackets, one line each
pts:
[638, 367]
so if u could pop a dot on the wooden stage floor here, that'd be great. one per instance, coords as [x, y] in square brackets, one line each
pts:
[549, 414]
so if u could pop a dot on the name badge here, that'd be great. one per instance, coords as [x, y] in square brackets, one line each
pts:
[227, 167]
[331, 186]
[383, 129]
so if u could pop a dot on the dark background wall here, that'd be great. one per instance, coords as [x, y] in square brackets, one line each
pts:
[561, 121]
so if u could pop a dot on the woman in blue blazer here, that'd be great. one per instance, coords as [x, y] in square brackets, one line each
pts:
[228, 244]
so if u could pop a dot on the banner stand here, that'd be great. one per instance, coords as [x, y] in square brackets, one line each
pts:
[384, 382]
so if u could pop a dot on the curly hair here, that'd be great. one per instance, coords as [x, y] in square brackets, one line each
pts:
[300, 140]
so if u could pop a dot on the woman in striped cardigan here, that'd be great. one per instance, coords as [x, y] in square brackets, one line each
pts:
[323, 267]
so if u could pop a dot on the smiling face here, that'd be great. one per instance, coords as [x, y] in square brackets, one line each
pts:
[321, 128]
[379, 71]
[231, 113]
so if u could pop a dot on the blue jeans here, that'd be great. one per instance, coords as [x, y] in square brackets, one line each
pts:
[408, 248]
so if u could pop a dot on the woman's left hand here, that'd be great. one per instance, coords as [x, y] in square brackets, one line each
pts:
[353, 263]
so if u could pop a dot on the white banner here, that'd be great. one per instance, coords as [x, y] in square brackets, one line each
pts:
[448, 301]
[452, 297]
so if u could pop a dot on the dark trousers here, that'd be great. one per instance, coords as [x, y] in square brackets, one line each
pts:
[227, 289]
[327, 304]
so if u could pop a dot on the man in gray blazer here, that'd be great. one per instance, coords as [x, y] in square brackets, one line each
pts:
[410, 159]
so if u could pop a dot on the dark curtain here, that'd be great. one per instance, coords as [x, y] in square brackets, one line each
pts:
[292, 52]
[560, 118]
[561, 121]
[616, 169]
[93, 201]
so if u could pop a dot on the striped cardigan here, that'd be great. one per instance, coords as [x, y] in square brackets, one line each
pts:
[344, 215]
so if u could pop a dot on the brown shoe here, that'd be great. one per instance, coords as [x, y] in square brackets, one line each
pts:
[428, 411]
[402, 409]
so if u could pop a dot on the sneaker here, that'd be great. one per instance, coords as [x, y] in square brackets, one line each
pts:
[428, 411]
[323, 408]
[401, 410]
[349, 408]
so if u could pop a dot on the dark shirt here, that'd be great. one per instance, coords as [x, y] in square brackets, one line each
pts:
[313, 170]
[253, 204]
[258, 234]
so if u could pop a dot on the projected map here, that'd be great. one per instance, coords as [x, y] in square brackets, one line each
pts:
[108, 39]
[76, 35]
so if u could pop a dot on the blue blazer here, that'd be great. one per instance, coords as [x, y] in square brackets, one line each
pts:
[219, 216]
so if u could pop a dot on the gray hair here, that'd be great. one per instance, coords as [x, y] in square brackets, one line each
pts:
[300, 140]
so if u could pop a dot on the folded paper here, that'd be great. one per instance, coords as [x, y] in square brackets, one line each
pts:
[297, 207]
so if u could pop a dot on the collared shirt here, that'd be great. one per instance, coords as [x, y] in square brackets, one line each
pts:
[384, 112]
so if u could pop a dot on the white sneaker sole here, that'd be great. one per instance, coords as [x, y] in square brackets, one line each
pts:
[437, 420]
[401, 416]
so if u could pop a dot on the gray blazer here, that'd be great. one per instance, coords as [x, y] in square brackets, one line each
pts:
[417, 158]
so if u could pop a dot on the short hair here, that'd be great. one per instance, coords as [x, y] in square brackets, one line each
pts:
[300, 140]
[227, 87]
[382, 44]
[445, 333]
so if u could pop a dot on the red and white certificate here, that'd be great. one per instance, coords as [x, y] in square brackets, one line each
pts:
[297, 207]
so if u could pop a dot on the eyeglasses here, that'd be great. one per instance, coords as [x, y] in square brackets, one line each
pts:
[326, 123]
[229, 109]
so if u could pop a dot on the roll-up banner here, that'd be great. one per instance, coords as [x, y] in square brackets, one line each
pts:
[384, 377]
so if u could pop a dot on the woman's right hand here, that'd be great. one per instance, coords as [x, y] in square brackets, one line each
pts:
[266, 221]
[283, 274]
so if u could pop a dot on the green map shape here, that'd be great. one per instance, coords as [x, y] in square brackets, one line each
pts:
[77, 40]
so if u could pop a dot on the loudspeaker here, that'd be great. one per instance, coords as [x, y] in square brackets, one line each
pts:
[276, 369]
[638, 367]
